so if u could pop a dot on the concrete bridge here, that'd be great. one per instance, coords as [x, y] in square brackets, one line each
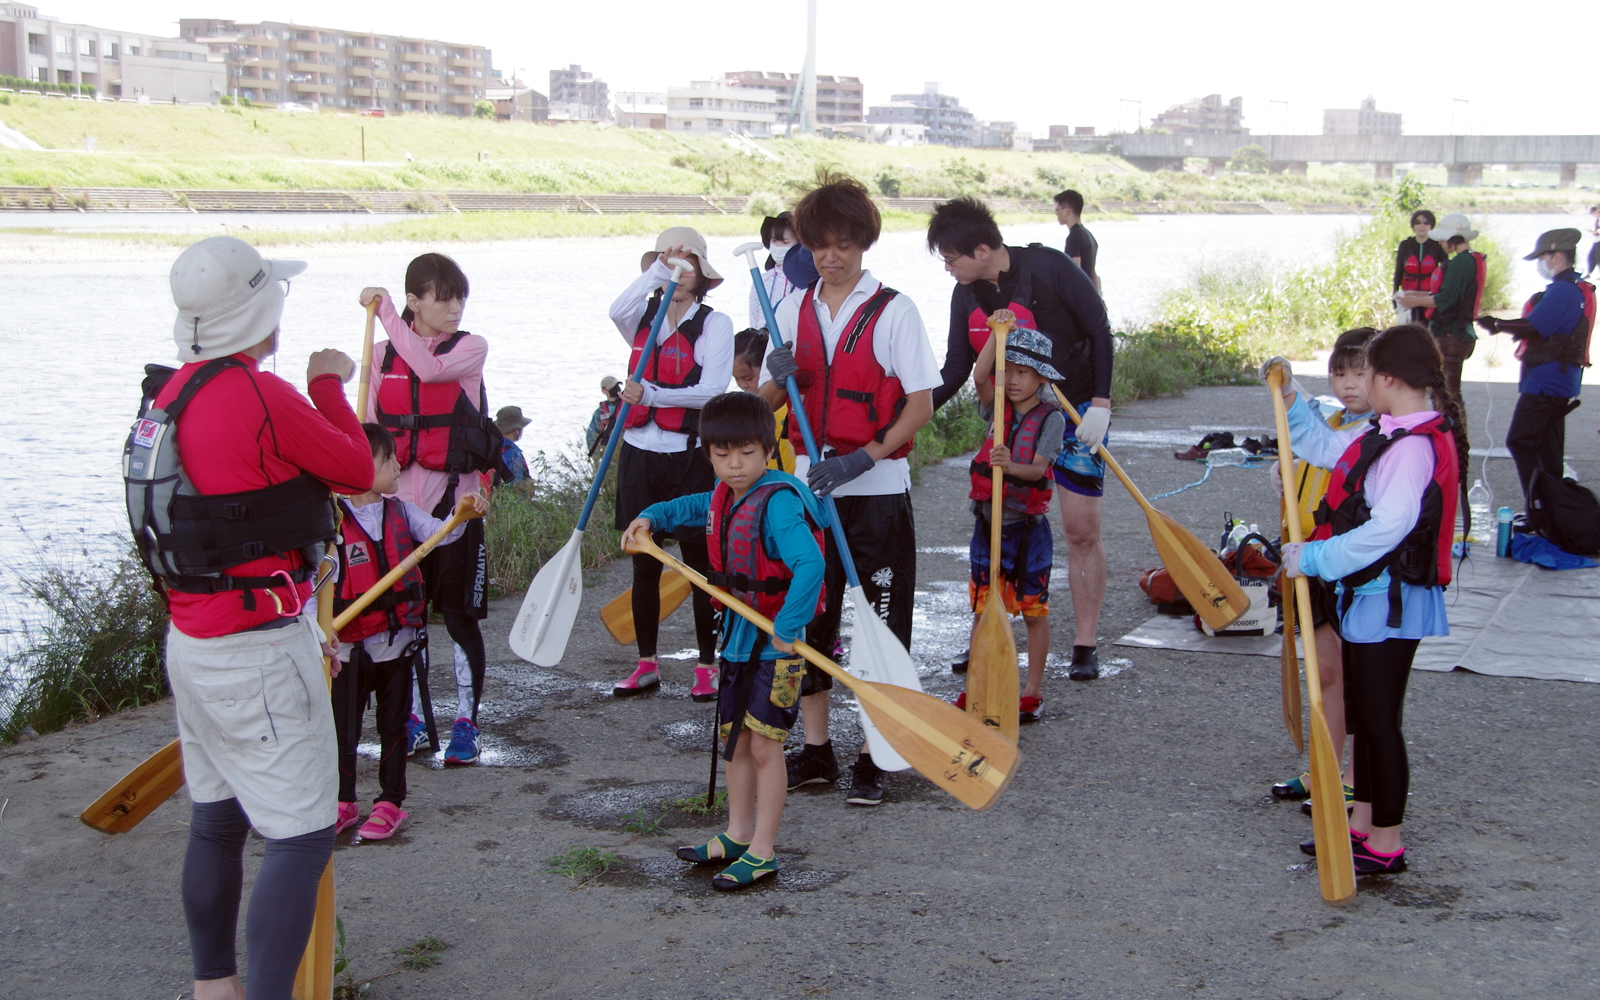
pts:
[1463, 156]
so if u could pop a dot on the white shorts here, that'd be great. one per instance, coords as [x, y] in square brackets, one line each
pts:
[256, 723]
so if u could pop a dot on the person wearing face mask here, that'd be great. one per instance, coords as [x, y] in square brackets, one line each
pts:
[1456, 301]
[1419, 263]
[777, 235]
[1553, 345]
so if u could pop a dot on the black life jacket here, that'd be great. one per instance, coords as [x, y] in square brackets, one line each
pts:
[435, 424]
[1423, 556]
[186, 539]
[1571, 348]
[1068, 355]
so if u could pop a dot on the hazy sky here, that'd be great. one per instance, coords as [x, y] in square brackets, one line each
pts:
[1038, 63]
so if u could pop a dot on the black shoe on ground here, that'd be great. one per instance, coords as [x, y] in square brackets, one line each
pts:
[1085, 664]
[866, 783]
[812, 765]
[960, 666]
[1309, 846]
[1369, 863]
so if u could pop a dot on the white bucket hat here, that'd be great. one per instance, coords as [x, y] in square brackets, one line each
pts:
[1453, 225]
[228, 297]
[691, 240]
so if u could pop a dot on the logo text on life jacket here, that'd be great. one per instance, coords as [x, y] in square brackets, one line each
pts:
[144, 435]
[358, 553]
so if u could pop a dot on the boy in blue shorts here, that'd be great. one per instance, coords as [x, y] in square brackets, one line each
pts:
[1033, 435]
[764, 539]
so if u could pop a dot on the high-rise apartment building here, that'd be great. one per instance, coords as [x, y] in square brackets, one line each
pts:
[274, 62]
[947, 123]
[578, 96]
[717, 107]
[1365, 120]
[115, 63]
[840, 99]
[1204, 116]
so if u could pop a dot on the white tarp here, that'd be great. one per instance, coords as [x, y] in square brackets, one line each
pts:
[1507, 619]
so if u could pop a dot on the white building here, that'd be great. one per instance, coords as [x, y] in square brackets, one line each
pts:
[640, 109]
[715, 107]
[892, 134]
[116, 63]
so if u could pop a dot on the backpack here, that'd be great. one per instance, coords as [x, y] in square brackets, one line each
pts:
[1565, 513]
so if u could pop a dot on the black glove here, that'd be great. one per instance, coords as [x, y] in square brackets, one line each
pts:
[1488, 323]
[780, 363]
[832, 473]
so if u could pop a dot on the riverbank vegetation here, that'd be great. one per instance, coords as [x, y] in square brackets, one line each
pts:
[168, 147]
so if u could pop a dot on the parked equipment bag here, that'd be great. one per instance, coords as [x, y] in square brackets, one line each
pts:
[1566, 513]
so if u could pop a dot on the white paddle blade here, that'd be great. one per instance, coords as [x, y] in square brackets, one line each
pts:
[876, 655]
[539, 635]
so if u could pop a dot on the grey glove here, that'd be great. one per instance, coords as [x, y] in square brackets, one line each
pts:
[780, 363]
[832, 473]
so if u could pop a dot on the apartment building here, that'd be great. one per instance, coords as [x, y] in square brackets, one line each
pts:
[1365, 120]
[717, 107]
[640, 109]
[40, 47]
[578, 96]
[840, 99]
[273, 62]
[518, 104]
[1204, 116]
[942, 117]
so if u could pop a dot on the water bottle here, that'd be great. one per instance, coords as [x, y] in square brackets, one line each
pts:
[1478, 497]
[1227, 456]
[1502, 538]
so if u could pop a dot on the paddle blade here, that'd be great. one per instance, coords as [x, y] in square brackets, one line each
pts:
[1289, 681]
[617, 615]
[876, 655]
[1197, 572]
[947, 746]
[539, 635]
[1329, 824]
[126, 804]
[992, 671]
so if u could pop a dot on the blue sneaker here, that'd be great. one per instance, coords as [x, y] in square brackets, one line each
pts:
[416, 735]
[463, 748]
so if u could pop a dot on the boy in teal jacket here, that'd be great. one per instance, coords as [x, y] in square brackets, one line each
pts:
[764, 536]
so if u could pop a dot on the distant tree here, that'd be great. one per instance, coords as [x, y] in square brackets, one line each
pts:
[1409, 194]
[1250, 159]
[483, 109]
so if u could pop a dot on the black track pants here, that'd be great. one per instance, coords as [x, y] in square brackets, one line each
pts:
[1375, 677]
[647, 601]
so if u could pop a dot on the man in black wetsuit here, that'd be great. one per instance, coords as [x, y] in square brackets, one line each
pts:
[1049, 293]
[1081, 244]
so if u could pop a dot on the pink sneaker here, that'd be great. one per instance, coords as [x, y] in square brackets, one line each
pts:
[384, 822]
[349, 815]
[644, 677]
[705, 684]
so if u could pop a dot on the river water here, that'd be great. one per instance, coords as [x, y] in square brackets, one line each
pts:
[77, 335]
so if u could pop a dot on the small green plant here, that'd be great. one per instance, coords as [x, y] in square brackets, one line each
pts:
[642, 824]
[529, 523]
[482, 109]
[888, 182]
[1409, 194]
[695, 805]
[1251, 159]
[956, 428]
[422, 955]
[582, 864]
[347, 988]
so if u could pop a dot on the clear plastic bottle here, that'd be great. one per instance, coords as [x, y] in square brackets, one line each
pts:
[1478, 498]
[1227, 456]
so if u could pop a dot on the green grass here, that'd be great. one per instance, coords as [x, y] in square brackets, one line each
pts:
[423, 955]
[642, 823]
[695, 805]
[97, 651]
[530, 522]
[581, 864]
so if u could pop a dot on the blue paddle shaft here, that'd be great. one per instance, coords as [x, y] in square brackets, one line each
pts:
[622, 411]
[797, 409]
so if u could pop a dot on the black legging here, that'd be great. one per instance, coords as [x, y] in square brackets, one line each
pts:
[282, 903]
[1537, 437]
[464, 632]
[647, 602]
[1375, 677]
[390, 681]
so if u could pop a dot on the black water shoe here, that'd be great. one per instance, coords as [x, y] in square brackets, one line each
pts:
[813, 765]
[1085, 664]
[866, 784]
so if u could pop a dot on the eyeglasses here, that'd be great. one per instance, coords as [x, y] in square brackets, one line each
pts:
[951, 260]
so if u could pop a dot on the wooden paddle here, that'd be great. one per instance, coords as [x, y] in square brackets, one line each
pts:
[955, 751]
[1289, 674]
[617, 615]
[1195, 569]
[1329, 824]
[544, 622]
[314, 979]
[992, 662]
[126, 804]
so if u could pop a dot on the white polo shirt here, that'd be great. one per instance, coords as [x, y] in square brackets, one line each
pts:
[899, 343]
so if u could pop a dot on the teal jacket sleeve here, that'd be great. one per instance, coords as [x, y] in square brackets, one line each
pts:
[788, 534]
[678, 513]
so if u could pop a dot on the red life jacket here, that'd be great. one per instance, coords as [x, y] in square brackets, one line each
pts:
[1571, 348]
[363, 561]
[1423, 556]
[1422, 272]
[1022, 437]
[851, 401]
[676, 350]
[435, 424]
[740, 562]
[1022, 300]
[1482, 263]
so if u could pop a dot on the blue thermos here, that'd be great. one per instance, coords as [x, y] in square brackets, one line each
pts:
[1502, 538]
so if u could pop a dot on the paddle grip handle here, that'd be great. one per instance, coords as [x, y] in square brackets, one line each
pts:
[797, 410]
[364, 382]
[679, 265]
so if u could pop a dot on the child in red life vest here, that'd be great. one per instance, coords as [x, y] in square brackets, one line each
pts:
[1383, 546]
[378, 648]
[1033, 436]
[427, 389]
[764, 533]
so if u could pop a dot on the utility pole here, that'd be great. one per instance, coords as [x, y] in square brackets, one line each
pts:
[808, 76]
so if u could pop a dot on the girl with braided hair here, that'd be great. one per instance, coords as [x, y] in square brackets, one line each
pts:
[1383, 545]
